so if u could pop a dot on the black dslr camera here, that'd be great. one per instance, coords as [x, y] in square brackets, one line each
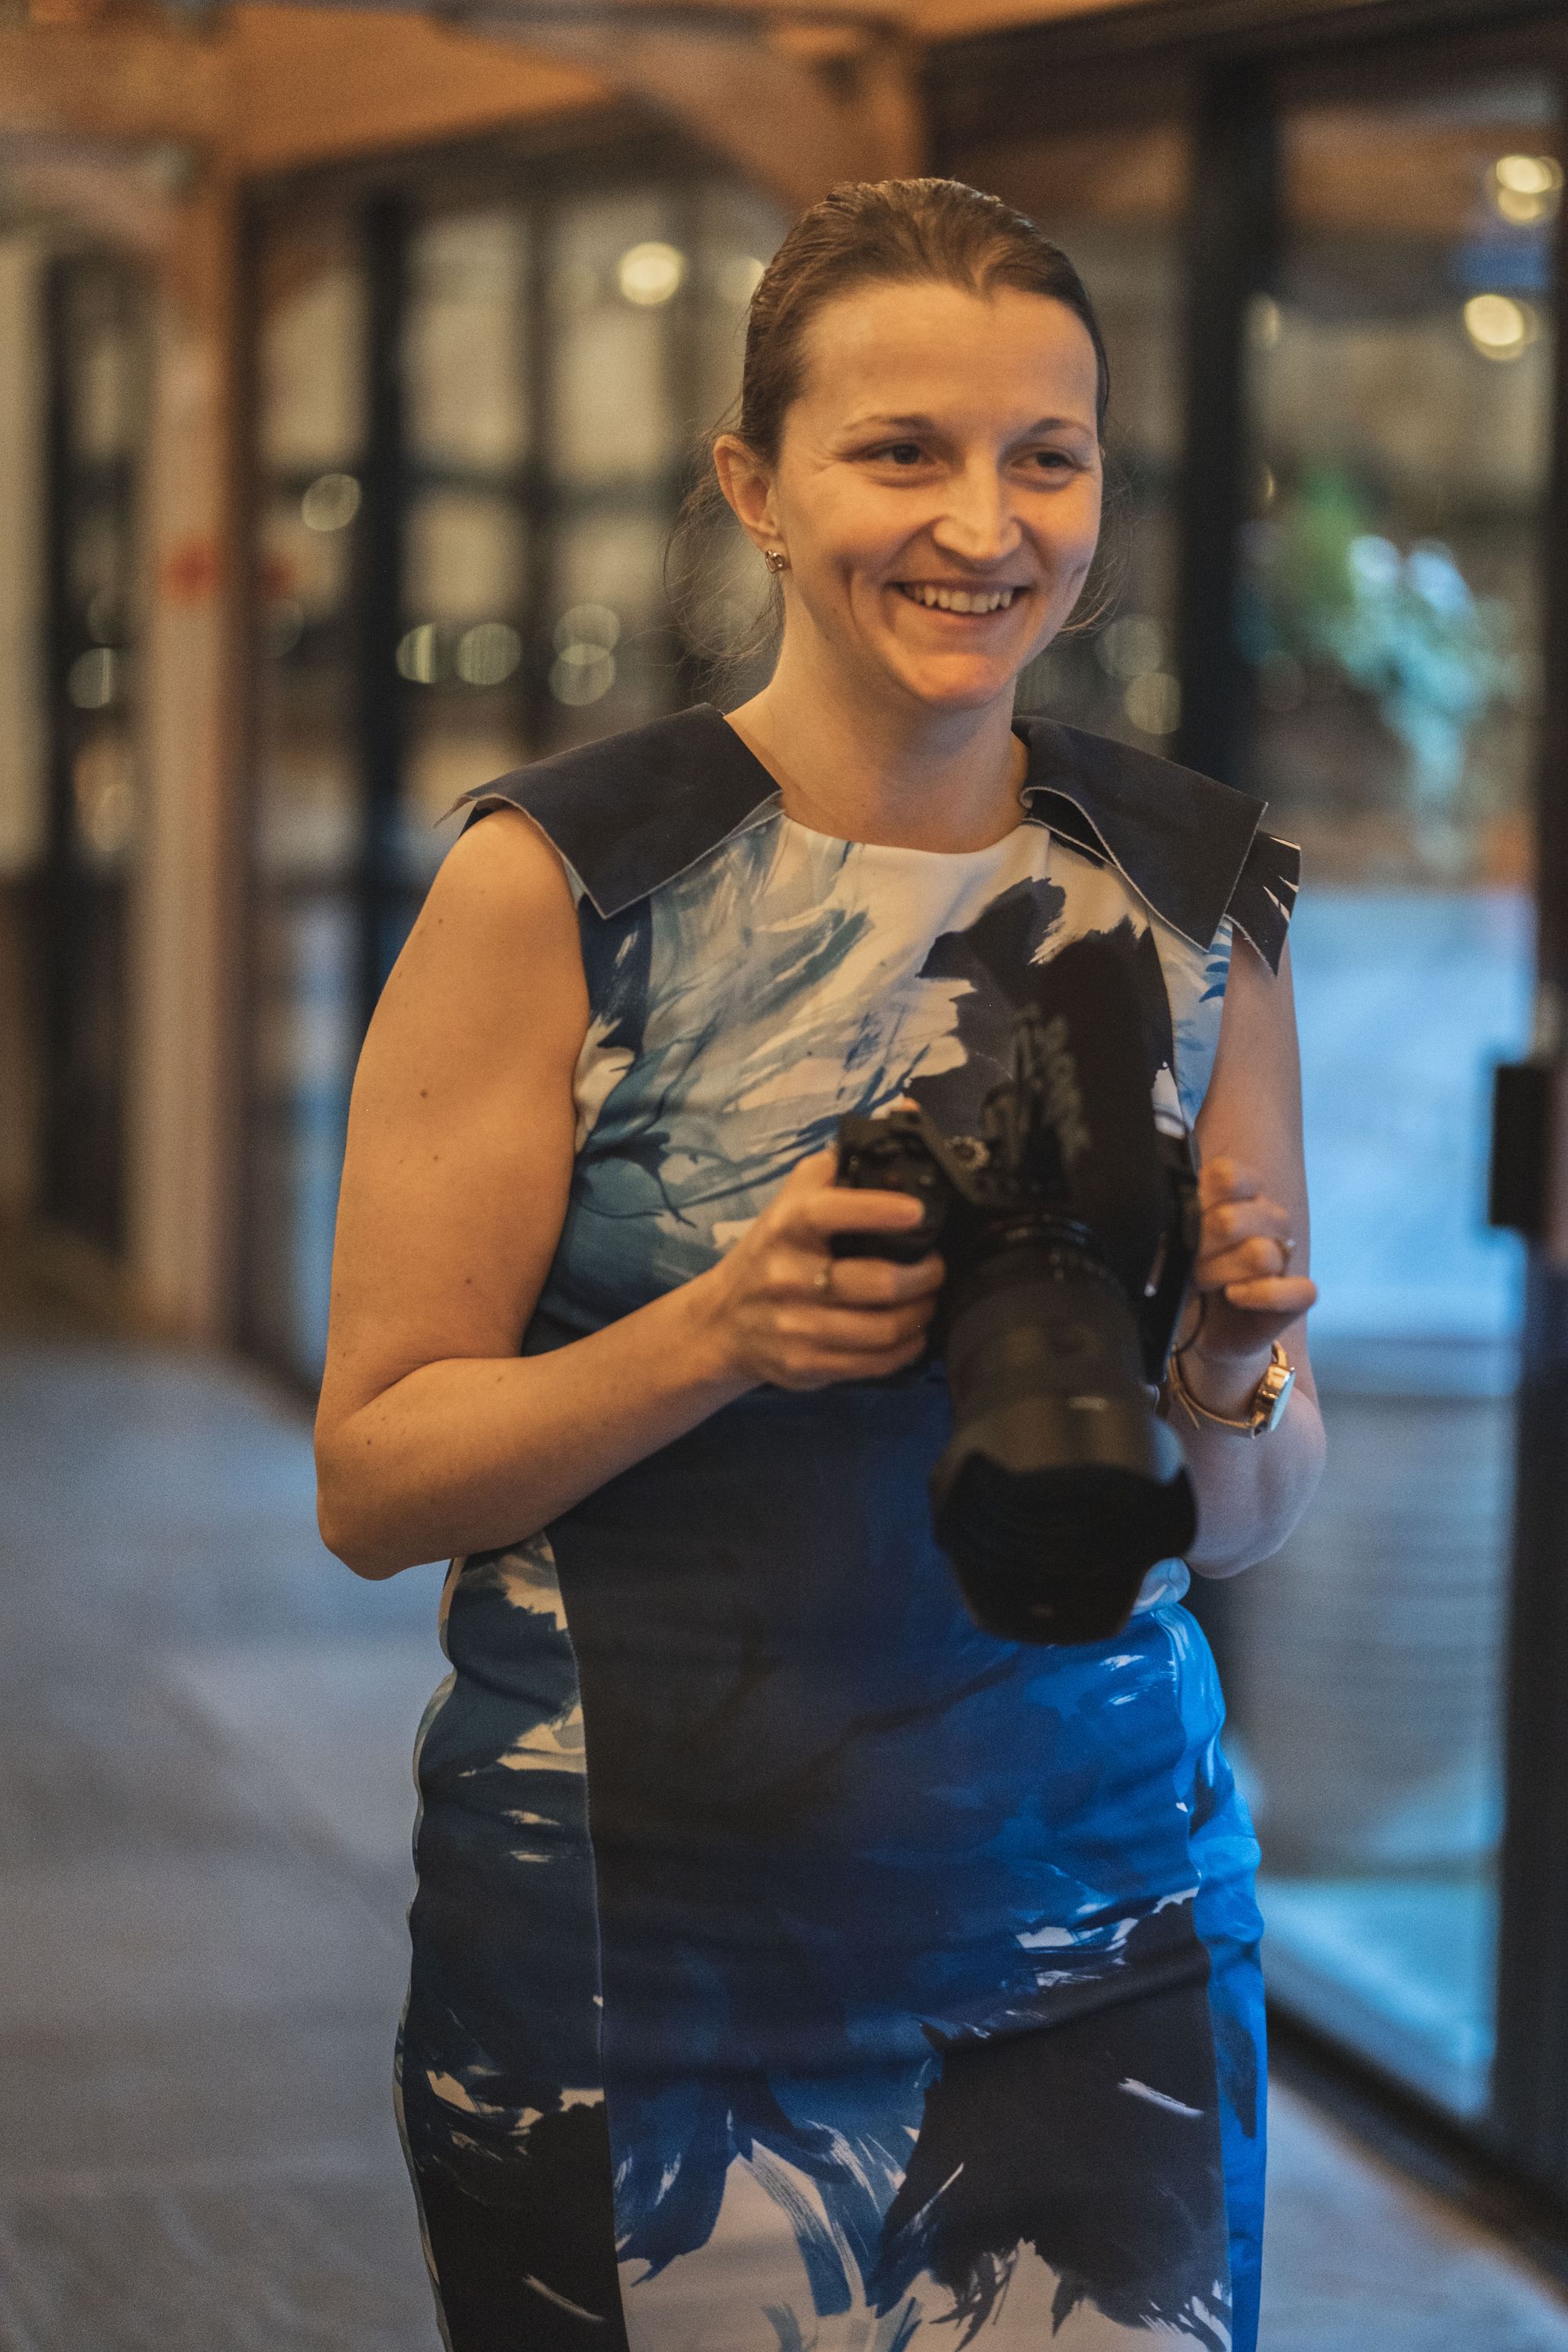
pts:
[1069, 1226]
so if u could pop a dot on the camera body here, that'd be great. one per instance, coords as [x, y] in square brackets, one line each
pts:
[1069, 1226]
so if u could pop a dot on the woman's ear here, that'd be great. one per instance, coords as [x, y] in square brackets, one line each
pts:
[748, 485]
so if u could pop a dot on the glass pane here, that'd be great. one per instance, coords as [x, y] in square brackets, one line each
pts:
[617, 282]
[311, 349]
[1115, 199]
[465, 342]
[103, 395]
[463, 653]
[611, 651]
[310, 395]
[93, 655]
[462, 656]
[308, 817]
[739, 233]
[1400, 383]
[464, 559]
[305, 1040]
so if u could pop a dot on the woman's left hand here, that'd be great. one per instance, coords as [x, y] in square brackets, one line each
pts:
[1245, 1281]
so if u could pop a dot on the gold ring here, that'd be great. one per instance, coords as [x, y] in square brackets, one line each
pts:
[825, 1279]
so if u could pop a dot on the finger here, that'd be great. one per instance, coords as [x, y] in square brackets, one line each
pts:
[816, 1174]
[1287, 1296]
[841, 1209]
[812, 1370]
[857, 1330]
[1241, 1219]
[1249, 1261]
[1227, 1180]
[881, 1281]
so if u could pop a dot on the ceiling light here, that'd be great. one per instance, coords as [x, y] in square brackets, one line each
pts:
[1525, 188]
[419, 655]
[331, 503]
[651, 273]
[1154, 703]
[488, 654]
[1529, 175]
[1499, 327]
[591, 624]
[582, 674]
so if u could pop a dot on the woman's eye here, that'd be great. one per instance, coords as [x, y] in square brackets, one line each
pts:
[901, 453]
[1051, 461]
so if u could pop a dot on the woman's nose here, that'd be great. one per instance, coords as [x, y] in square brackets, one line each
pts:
[977, 524]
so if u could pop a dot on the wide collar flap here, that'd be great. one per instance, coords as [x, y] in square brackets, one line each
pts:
[1179, 838]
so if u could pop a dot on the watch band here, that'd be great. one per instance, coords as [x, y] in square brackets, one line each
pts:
[1269, 1398]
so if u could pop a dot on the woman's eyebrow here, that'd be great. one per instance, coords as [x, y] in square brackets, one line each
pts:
[921, 423]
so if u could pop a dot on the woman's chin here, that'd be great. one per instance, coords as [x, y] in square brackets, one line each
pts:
[957, 682]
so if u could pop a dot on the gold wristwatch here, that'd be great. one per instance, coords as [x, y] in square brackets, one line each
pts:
[1269, 1398]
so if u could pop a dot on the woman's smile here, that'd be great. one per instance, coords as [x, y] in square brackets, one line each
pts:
[972, 602]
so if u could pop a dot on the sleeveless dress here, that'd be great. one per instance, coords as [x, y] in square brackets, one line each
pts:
[796, 1967]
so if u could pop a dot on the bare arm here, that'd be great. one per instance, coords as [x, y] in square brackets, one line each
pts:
[434, 1437]
[1251, 1490]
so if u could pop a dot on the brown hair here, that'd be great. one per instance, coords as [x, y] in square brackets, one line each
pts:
[883, 232]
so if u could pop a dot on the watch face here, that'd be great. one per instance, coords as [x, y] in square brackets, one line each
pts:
[1276, 1413]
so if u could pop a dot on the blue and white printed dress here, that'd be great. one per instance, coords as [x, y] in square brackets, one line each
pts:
[797, 1967]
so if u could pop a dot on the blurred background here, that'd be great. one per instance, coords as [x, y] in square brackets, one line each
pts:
[350, 366]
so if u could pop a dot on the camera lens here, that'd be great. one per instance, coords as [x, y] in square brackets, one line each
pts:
[1060, 1488]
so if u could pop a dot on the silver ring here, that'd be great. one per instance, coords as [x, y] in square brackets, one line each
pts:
[825, 1279]
[1287, 1250]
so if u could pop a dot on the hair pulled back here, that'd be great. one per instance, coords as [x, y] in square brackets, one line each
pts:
[863, 233]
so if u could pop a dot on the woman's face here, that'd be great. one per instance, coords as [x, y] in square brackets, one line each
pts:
[938, 486]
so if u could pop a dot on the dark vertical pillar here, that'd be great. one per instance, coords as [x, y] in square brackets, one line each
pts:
[61, 945]
[1531, 2081]
[379, 586]
[1231, 238]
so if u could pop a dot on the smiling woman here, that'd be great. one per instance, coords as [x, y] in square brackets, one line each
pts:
[796, 1962]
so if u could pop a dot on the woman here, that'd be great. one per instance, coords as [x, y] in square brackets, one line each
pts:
[797, 1964]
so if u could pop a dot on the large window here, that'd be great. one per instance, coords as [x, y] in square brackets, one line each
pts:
[1331, 306]
[476, 418]
[1400, 378]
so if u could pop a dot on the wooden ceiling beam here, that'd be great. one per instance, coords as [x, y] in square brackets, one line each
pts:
[312, 83]
[793, 123]
[119, 84]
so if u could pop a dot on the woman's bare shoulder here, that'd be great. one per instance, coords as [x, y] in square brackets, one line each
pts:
[502, 867]
[492, 971]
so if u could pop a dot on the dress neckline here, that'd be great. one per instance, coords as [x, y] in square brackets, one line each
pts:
[1027, 823]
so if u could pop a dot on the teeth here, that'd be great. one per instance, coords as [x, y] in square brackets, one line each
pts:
[960, 599]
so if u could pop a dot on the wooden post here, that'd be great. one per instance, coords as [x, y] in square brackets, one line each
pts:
[186, 932]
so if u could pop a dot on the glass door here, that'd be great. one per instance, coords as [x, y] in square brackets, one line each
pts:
[95, 342]
[307, 831]
[1399, 393]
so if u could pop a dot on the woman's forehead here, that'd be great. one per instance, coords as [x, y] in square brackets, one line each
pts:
[887, 353]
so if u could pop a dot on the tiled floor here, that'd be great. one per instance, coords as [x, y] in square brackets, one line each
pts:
[205, 1804]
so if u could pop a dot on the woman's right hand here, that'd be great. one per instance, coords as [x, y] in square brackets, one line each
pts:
[776, 1317]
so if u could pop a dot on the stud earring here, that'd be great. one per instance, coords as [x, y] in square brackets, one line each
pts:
[776, 558]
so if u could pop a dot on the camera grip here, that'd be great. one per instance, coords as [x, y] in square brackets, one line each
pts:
[887, 1155]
